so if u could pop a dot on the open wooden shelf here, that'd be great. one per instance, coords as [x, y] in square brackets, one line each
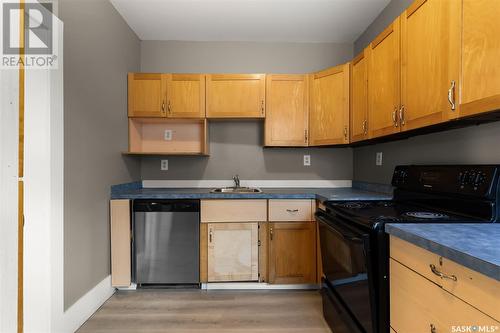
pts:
[147, 137]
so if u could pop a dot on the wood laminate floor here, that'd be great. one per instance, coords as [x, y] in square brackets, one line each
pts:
[176, 311]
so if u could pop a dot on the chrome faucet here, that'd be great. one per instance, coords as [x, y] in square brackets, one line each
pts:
[236, 180]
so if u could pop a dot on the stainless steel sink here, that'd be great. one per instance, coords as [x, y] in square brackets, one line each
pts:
[236, 190]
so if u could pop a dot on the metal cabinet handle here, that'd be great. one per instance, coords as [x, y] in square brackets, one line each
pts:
[210, 236]
[395, 116]
[292, 210]
[169, 108]
[451, 95]
[433, 329]
[163, 106]
[345, 132]
[442, 275]
[262, 107]
[402, 115]
[271, 233]
[305, 136]
[365, 126]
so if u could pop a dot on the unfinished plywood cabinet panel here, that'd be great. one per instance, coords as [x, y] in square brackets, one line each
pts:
[147, 94]
[287, 110]
[233, 252]
[480, 90]
[233, 210]
[236, 96]
[329, 106]
[120, 243]
[185, 137]
[292, 252]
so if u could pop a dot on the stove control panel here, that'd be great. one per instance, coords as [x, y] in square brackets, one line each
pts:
[475, 180]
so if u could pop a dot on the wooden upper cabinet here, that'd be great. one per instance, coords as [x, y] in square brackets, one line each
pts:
[146, 95]
[236, 95]
[359, 98]
[384, 82]
[329, 111]
[185, 95]
[287, 105]
[480, 53]
[430, 71]
[292, 252]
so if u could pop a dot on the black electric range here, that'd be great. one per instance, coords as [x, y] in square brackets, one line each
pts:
[355, 248]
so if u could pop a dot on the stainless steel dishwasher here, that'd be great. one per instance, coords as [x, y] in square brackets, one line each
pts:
[166, 242]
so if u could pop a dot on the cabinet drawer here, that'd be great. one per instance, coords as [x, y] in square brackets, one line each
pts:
[474, 288]
[233, 210]
[290, 210]
[417, 305]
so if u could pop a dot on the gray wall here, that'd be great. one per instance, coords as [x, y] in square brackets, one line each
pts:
[99, 49]
[389, 14]
[478, 144]
[236, 146]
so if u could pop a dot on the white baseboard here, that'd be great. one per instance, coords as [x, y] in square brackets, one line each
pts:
[87, 305]
[315, 183]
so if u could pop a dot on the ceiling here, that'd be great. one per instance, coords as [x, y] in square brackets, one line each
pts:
[250, 20]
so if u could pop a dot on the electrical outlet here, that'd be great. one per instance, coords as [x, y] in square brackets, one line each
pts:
[378, 159]
[167, 135]
[307, 160]
[164, 165]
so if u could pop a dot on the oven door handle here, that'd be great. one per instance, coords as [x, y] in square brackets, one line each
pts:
[347, 235]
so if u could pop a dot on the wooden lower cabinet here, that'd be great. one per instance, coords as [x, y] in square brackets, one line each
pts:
[292, 252]
[419, 305]
[233, 252]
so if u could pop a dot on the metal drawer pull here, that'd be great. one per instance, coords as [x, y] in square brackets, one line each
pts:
[210, 236]
[271, 233]
[451, 95]
[442, 275]
[433, 329]
[169, 108]
[395, 117]
[292, 210]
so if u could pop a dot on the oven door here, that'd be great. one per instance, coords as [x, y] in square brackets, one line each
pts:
[345, 254]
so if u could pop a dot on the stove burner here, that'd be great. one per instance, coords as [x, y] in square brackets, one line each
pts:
[354, 205]
[426, 215]
[383, 218]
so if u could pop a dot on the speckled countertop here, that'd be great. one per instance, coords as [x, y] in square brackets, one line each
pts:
[323, 194]
[475, 246]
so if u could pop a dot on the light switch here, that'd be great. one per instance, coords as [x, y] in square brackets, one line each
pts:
[307, 160]
[167, 135]
[378, 159]
[164, 165]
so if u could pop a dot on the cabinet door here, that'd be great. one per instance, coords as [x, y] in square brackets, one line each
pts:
[430, 39]
[146, 95]
[233, 252]
[292, 252]
[480, 53]
[384, 82]
[236, 95]
[329, 112]
[287, 107]
[359, 98]
[185, 96]
[121, 268]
